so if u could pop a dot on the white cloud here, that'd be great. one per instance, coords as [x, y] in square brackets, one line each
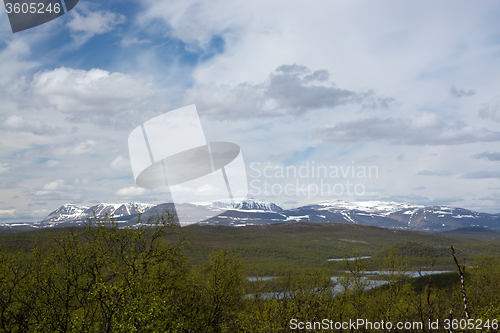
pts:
[132, 191]
[461, 92]
[487, 156]
[93, 23]
[4, 167]
[120, 163]
[421, 200]
[56, 185]
[22, 215]
[289, 90]
[427, 129]
[76, 147]
[434, 173]
[131, 41]
[195, 21]
[182, 189]
[209, 190]
[52, 163]
[482, 174]
[106, 99]
[30, 125]
[57, 190]
[6, 213]
[15, 62]
[96, 90]
[491, 110]
[411, 51]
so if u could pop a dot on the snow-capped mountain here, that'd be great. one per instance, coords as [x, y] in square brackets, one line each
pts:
[394, 215]
[370, 207]
[72, 214]
[254, 212]
[68, 212]
[250, 204]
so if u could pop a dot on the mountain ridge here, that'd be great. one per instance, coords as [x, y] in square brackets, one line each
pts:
[394, 215]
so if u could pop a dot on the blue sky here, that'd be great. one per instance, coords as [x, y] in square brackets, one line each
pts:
[410, 88]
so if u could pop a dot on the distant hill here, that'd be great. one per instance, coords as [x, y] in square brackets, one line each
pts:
[479, 233]
[275, 249]
[391, 215]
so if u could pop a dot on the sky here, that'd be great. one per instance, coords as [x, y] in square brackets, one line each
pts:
[328, 100]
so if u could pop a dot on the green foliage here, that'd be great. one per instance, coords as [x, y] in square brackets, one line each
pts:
[100, 279]
[417, 249]
[114, 277]
[307, 296]
[484, 287]
[273, 250]
[217, 295]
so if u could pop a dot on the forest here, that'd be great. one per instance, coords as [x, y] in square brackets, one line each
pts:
[154, 276]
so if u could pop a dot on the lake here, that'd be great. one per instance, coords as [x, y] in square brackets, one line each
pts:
[372, 279]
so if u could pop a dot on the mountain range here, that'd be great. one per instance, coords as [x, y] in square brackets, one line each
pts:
[392, 215]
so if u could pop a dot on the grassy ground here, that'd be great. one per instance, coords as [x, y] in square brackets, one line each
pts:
[274, 250]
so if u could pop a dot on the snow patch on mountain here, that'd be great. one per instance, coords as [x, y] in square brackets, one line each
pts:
[248, 205]
[371, 207]
[71, 212]
[257, 212]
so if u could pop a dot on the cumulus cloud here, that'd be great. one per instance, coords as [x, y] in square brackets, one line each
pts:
[413, 198]
[421, 200]
[132, 191]
[94, 91]
[84, 23]
[119, 163]
[131, 41]
[106, 99]
[75, 147]
[15, 60]
[487, 156]
[374, 102]
[52, 163]
[209, 190]
[7, 213]
[38, 204]
[434, 173]
[461, 92]
[56, 185]
[482, 174]
[297, 88]
[57, 190]
[289, 90]
[4, 167]
[444, 201]
[427, 129]
[30, 125]
[401, 157]
[291, 202]
[491, 111]
[18, 215]
[194, 22]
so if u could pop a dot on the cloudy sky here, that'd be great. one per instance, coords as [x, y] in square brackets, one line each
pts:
[406, 89]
